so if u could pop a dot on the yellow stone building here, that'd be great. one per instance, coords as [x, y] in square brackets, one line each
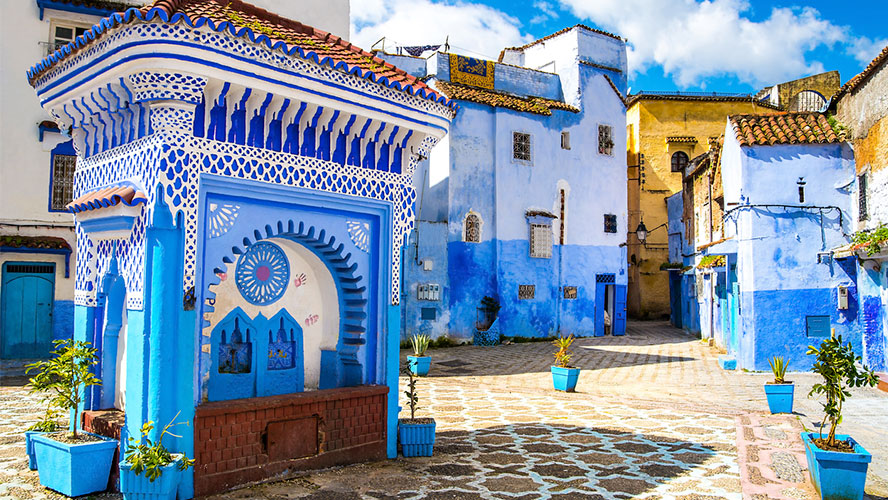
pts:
[665, 131]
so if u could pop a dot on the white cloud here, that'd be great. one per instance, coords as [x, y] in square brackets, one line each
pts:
[865, 50]
[545, 11]
[694, 40]
[473, 29]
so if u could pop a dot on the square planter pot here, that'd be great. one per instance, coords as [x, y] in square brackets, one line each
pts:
[138, 487]
[565, 379]
[29, 445]
[837, 475]
[779, 397]
[420, 365]
[74, 469]
[417, 440]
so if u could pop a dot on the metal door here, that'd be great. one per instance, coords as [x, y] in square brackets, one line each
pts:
[26, 310]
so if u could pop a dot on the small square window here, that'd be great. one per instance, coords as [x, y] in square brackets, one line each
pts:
[521, 146]
[570, 292]
[526, 292]
[610, 223]
[541, 241]
[605, 140]
[429, 313]
[565, 140]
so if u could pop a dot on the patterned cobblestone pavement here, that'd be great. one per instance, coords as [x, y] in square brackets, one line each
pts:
[654, 418]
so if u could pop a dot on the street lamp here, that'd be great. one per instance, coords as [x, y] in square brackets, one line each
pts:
[641, 232]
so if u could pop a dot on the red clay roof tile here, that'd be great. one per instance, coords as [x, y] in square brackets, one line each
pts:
[861, 77]
[107, 197]
[538, 105]
[783, 128]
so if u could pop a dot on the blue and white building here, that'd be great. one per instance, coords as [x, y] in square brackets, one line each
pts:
[525, 200]
[243, 192]
[766, 280]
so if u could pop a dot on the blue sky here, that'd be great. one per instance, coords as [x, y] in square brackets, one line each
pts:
[691, 45]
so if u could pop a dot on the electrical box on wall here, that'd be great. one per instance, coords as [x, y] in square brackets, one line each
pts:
[431, 291]
[842, 292]
[427, 265]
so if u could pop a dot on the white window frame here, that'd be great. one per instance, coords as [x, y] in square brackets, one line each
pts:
[529, 160]
[540, 240]
[61, 190]
[52, 44]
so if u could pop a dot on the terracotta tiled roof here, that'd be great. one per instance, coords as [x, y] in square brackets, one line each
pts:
[703, 96]
[248, 21]
[538, 105]
[107, 197]
[783, 128]
[106, 5]
[863, 75]
[559, 32]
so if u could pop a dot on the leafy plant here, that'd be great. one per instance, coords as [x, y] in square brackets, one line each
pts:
[420, 344]
[563, 355]
[871, 241]
[65, 375]
[412, 398]
[149, 456]
[837, 364]
[778, 366]
[49, 422]
[490, 304]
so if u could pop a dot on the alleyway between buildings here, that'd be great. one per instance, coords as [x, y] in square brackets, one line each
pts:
[654, 417]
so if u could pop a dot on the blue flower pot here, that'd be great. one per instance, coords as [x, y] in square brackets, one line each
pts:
[779, 397]
[138, 487]
[74, 469]
[565, 379]
[417, 440]
[420, 365]
[837, 475]
[29, 445]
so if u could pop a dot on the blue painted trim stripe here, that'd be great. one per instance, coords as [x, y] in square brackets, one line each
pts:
[113, 223]
[67, 7]
[180, 57]
[55, 251]
[127, 17]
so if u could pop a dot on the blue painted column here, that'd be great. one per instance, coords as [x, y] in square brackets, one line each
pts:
[114, 291]
[392, 371]
[164, 304]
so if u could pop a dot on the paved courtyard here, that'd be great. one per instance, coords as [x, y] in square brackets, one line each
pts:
[654, 417]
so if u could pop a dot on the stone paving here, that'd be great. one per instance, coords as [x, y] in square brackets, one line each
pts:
[654, 417]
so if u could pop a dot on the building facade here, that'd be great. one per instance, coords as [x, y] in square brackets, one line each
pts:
[862, 107]
[243, 190]
[524, 201]
[763, 212]
[37, 241]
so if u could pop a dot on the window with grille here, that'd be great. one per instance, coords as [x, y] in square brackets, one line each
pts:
[861, 197]
[605, 140]
[473, 229]
[62, 181]
[521, 146]
[540, 241]
[679, 161]
[526, 292]
[565, 140]
[570, 292]
[610, 223]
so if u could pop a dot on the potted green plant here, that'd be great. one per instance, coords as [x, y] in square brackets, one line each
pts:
[837, 463]
[72, 463]
[486, 331]
[564, 376]
[417, 435]
[149, 471]
[779, 392]
[48, 423]
[419, 362]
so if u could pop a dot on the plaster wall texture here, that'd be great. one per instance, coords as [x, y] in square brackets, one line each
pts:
[524, 81]
[427, 266]
[863, 107]
[649, 123]
[826, 84]
[327, 15]
[416, 66]
[675, 227]
[780, 281]
[873, 287]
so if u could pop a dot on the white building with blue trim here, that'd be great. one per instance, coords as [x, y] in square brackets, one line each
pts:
[242, 192]
[525, 200]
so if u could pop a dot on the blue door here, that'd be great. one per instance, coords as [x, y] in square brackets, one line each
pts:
[26, 310]
[620, 310]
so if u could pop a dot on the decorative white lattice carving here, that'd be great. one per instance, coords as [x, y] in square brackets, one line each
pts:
[151, 86]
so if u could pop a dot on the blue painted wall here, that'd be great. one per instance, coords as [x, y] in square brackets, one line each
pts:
[780, 280]
[62, 319]
[872, 289]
